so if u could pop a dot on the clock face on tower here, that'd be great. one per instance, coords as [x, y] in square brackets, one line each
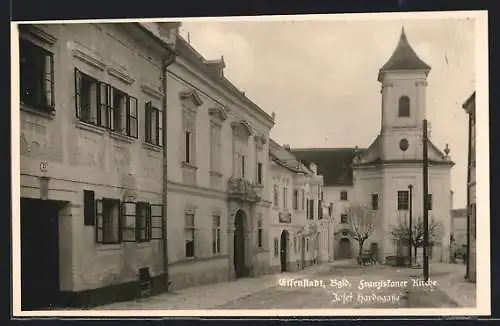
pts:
[403, 144]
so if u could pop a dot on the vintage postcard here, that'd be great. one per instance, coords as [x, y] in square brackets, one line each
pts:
[251, 166]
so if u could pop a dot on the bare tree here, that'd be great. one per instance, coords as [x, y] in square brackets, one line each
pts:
[362, 221]
[401, 232]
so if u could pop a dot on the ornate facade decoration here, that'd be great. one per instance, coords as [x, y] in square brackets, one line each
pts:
[243, 190]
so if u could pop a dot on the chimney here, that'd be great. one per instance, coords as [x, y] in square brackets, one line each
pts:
[168, 31]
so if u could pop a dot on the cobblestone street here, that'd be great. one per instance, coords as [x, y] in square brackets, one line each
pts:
[344, 295]
[277, 291]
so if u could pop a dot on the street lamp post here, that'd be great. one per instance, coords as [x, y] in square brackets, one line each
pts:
[410, 235]
[425, 201]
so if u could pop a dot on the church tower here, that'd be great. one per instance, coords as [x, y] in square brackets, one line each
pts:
[403, 79]
[384, 173]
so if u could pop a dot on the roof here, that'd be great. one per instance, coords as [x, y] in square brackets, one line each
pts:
[468, 103]
[283, 157]
[335, 164]
[404, 58]
[461, 212]
[213, 69]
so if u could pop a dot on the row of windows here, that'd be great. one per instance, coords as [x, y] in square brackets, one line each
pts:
[190, 234]
[96, 102]
[296, 246]
[240, 167]
[404, 200]
[103, 105]
[118, 221]
[403, 203]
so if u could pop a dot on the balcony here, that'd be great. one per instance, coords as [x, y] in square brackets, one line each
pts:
[285, 217]
[245, 190]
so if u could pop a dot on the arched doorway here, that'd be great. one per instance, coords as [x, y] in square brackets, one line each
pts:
[239, 244]
[344, 248]
[284, 250]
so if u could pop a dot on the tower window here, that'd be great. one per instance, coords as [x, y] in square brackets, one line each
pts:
[404, 106]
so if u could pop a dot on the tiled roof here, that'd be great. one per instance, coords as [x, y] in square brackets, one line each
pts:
[284, 157]
[404, 58]
[335, 164]
[211, 69]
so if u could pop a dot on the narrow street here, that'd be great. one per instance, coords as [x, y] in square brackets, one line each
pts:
[303, 290]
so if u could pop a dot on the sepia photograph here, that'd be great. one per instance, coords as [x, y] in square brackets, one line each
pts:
[251, 166]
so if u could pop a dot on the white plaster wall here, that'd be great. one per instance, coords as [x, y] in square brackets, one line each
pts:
[88, 158]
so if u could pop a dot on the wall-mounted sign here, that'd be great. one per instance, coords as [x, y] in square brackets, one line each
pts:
[44, 166]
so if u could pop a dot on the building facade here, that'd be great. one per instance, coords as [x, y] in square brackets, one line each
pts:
[91, 186]
[383, 173]
[218, 199]
[334, 164]
[470, 107]
[300, 224]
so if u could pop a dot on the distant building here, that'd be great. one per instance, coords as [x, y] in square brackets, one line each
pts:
[335, 165]
[300, 224]
[470, 107]
[379, 177]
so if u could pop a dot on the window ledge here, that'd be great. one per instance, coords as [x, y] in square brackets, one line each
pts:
[89, 127]
[151, 147]
[44, 114]
[189, 166]
[109, 247]
[121, 137]
[216, 174]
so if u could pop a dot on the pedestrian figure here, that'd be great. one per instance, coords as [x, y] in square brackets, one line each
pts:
[464, 257]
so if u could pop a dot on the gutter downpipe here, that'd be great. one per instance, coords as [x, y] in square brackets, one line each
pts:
[168, 60]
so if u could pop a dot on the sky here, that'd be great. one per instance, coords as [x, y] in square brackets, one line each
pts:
[320, 76]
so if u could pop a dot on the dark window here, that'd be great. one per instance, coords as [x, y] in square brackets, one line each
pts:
[36, 67]
[108, 221]
[189, 235]
[259, 173]
[243, 166]
[154, 125]
[88, 207]
[187, 149]
[216, 234]
[429, 202]
[374, 201]
[320, 209]
[404, 106]
[90, 95]
[295, 199]
[260, 230]
[403, 200]
[322, 195]
[344, 219]
[343, 195]
[143, 219]
[330, 209]
[311, 209]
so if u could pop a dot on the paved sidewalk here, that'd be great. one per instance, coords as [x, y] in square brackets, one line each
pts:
[213, 295]
[451, 282]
